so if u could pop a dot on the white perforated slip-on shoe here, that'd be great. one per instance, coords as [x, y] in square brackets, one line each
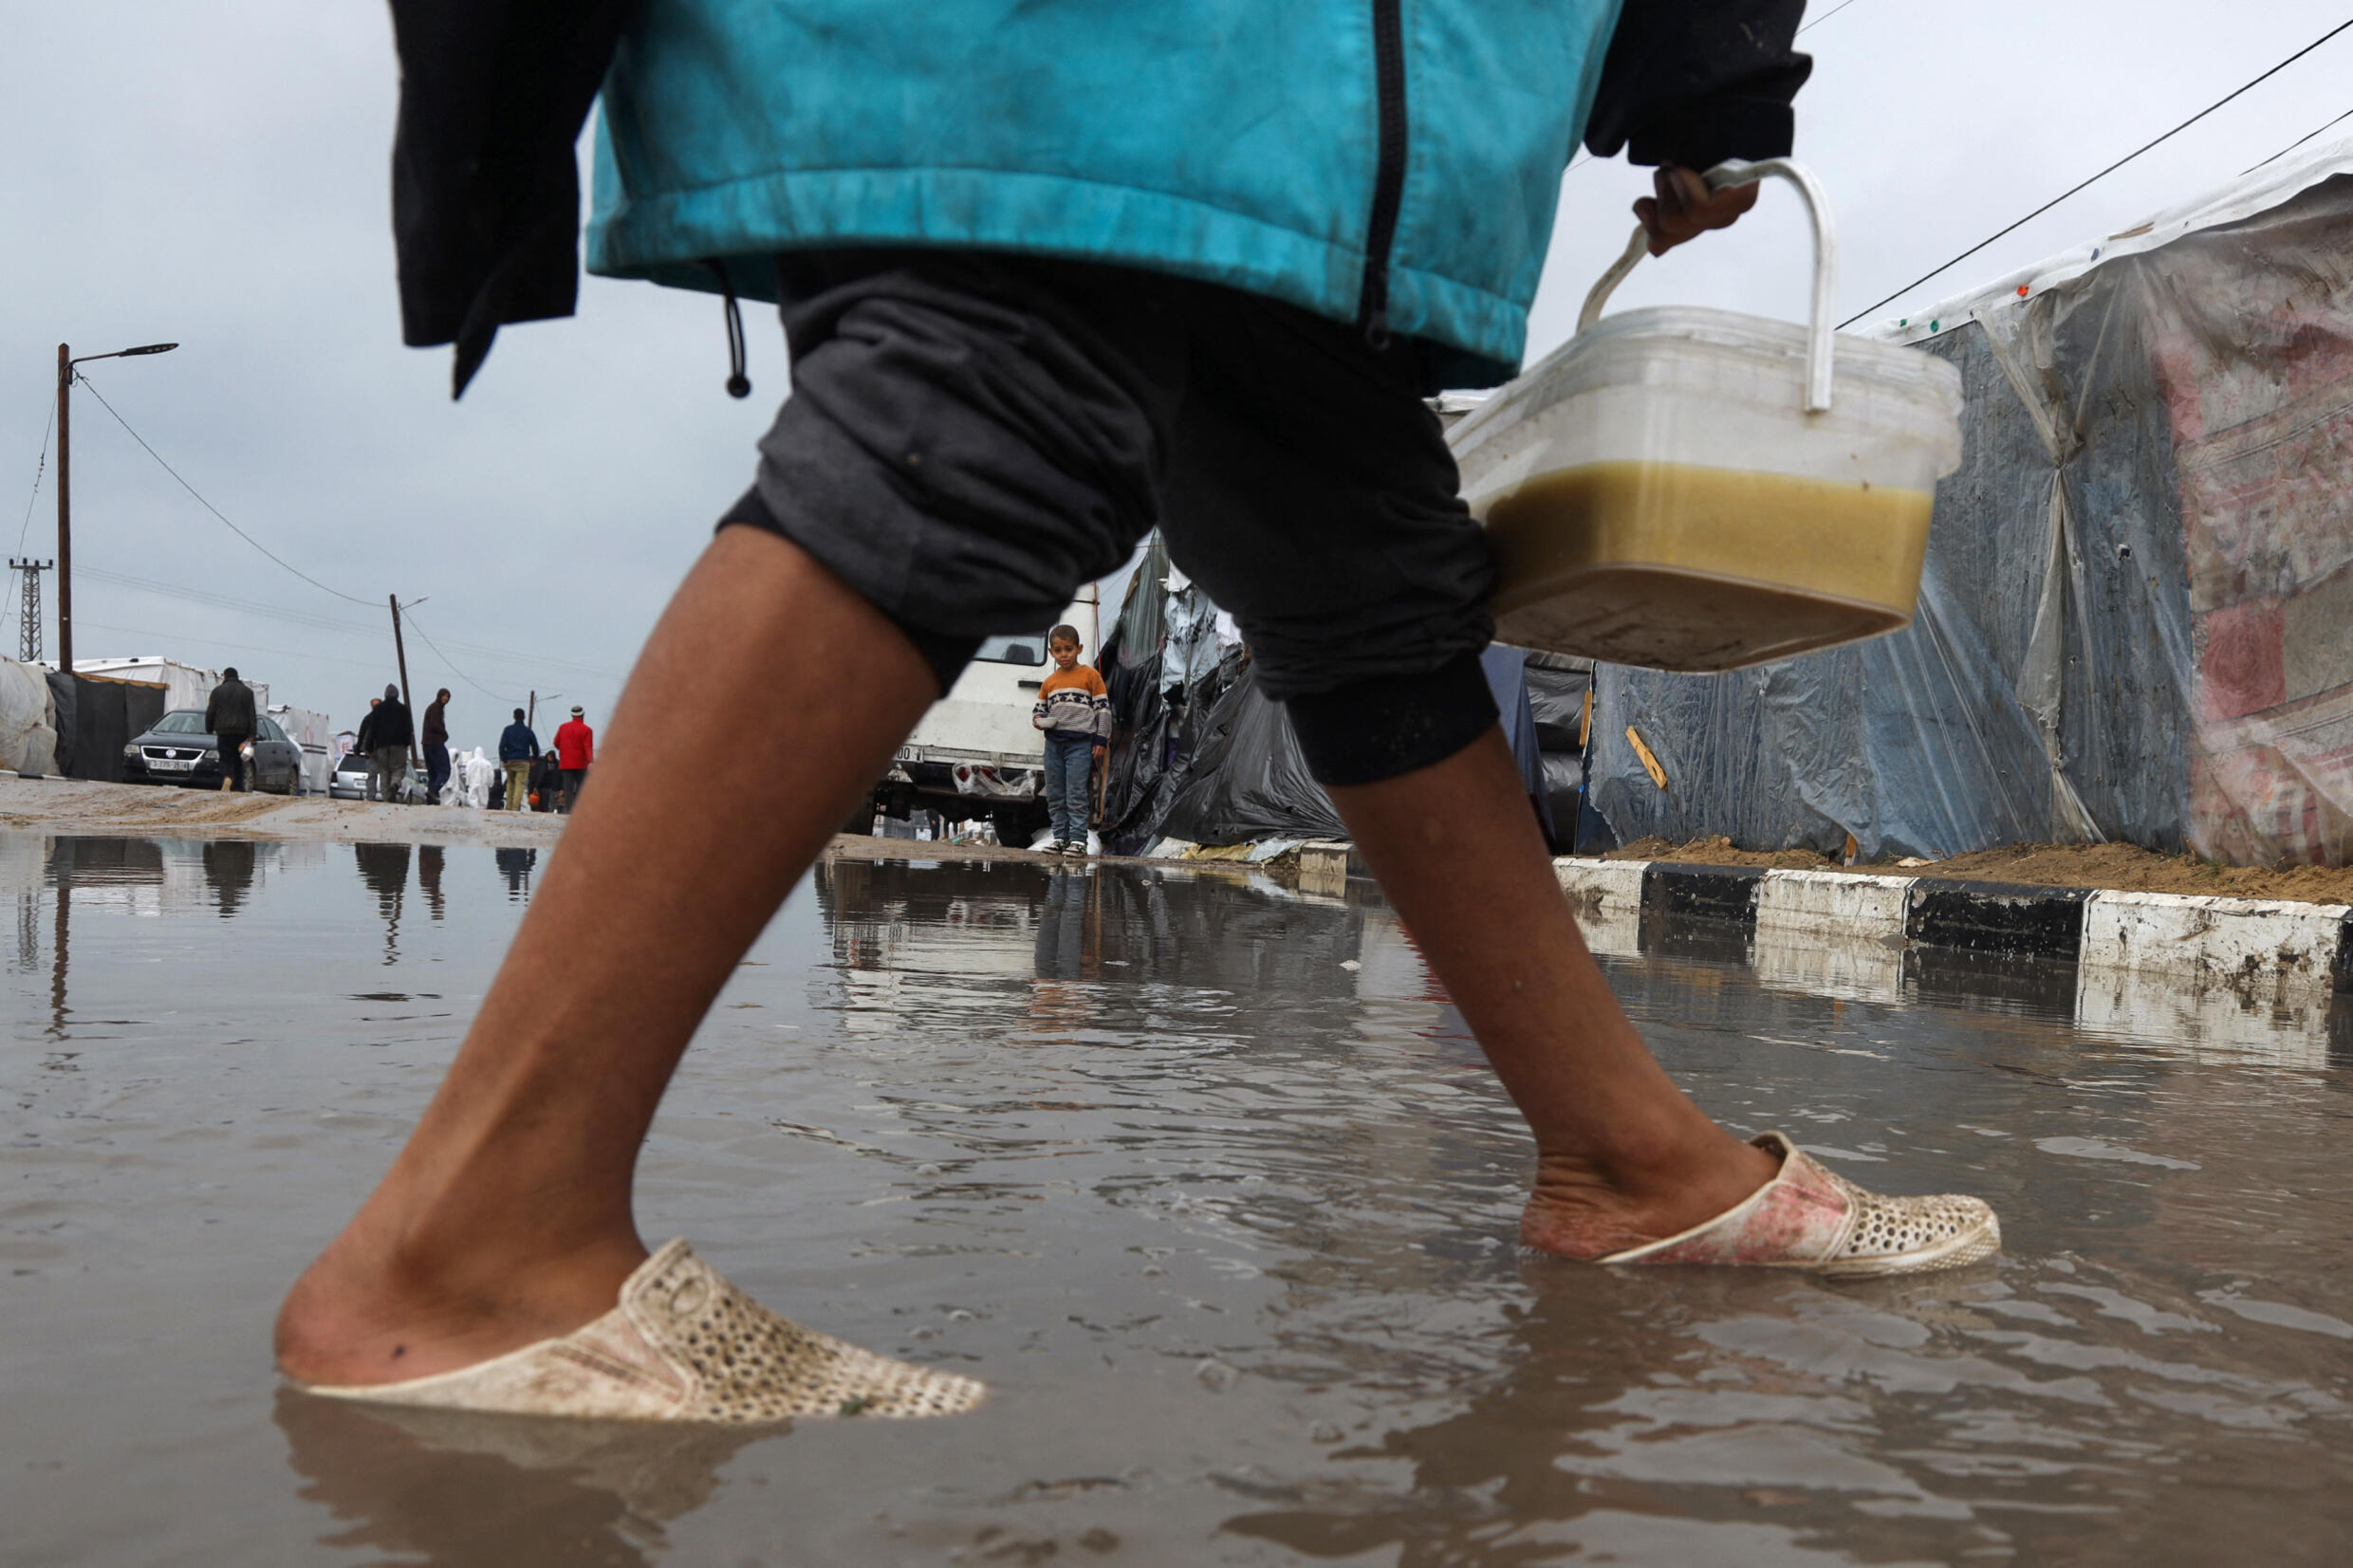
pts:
[1812, 1218]
[684, 1345]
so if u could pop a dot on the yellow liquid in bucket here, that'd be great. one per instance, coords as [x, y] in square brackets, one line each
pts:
[1679, 567]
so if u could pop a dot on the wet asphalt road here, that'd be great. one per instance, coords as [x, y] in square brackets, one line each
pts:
[1204, 1178]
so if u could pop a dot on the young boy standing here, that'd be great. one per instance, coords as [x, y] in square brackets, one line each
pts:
[1074, 709]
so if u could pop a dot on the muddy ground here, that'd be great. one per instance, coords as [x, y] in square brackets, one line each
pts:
[2124, 866]
[81, 808]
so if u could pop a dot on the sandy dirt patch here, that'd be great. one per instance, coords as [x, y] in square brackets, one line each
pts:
[80, 808]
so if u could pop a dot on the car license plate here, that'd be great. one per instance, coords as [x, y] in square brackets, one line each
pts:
[170, 764]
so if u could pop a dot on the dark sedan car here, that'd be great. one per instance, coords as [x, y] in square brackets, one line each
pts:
[179, 751]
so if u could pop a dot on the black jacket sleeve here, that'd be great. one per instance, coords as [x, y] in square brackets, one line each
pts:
[1697, 81]
[485, 189]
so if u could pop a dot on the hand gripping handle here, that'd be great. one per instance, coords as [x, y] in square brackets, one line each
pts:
[1724, 175]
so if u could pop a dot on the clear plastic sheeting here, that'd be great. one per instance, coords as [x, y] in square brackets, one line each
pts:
[2136, 616]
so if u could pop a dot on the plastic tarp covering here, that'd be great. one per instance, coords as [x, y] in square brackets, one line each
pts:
[1505, 668]
[1192, 650]
[1556, 700]
[1246, 778]
[27, 736]
[101, 716]
[1167, 660]
[65, 705]
[2135, 621]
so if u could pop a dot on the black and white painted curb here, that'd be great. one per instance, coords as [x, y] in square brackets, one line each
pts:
[2210, 968]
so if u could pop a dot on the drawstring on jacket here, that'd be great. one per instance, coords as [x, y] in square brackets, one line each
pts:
[739, 385]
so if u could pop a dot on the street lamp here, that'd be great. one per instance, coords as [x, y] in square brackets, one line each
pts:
[65, 361]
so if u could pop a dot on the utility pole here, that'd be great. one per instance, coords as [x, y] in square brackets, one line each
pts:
[65, 509]
[402, 654]
[65, 361]
[532, 722]
[29, 617]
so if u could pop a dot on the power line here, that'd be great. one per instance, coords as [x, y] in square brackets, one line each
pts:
[505, 655]
[40, 466]
[377, 665]
[2101, 176]
[510, 657]
[1824, 17]
[321, 622]
[445, 659]
[208, 506]
[224, 601]
[2293, 145]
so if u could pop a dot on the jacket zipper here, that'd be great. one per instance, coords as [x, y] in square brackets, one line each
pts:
[1389, 173]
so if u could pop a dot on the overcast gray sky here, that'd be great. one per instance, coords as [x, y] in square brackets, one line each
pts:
[215, 174]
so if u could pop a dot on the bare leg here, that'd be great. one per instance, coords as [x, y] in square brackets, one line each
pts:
[507, 1218]
[1622, 1156]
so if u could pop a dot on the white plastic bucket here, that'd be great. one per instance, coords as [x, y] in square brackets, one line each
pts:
[1686, 488]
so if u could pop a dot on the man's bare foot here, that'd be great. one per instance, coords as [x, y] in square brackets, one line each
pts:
[1583, 1211]
[363, 1316]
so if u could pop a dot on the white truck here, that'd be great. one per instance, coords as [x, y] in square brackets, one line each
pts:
[976, 753]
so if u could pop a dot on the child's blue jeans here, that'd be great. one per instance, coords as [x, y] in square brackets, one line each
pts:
[1069, 770]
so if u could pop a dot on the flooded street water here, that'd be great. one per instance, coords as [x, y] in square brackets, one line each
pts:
[1205, 1179]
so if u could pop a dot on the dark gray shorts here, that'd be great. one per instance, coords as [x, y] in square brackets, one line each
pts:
[971, 437]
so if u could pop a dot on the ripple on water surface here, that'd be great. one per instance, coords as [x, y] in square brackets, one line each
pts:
[1207, 1180]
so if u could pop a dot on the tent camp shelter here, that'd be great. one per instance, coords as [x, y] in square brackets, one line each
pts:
[2137, 618]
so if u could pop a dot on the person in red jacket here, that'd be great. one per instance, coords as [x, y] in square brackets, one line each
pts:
[576, 747]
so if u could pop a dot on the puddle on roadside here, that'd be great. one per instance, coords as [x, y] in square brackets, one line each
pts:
[1206, 1178]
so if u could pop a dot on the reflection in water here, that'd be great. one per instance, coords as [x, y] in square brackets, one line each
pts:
[1205, 1177]
[60, 939]
[228, 870]
[429, 876]
[385, 868]
[454, 1489]
[515, 866]
[1693, 1415]
[923, 947]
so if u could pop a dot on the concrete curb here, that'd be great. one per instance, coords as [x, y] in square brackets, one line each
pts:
[2280, 949]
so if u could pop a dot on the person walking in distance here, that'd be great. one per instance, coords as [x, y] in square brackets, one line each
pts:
[576, 747]
[229, 715]
[517, 749]
[1048, 280]
[386, 735]
[437, 739]
[364, 742]
[1074, 709]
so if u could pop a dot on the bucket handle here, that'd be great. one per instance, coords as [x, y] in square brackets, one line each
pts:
[1724, 175]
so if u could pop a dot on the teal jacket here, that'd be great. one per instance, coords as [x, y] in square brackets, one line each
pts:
[1395, 160]
[1390, 161]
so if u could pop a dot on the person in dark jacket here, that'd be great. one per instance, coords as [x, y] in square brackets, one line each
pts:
[517, 747]
[437, 739]
[229, 715]
[1048, 278]
[385, 736]
[546, 792]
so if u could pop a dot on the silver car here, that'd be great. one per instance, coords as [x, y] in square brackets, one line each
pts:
[350, 779]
